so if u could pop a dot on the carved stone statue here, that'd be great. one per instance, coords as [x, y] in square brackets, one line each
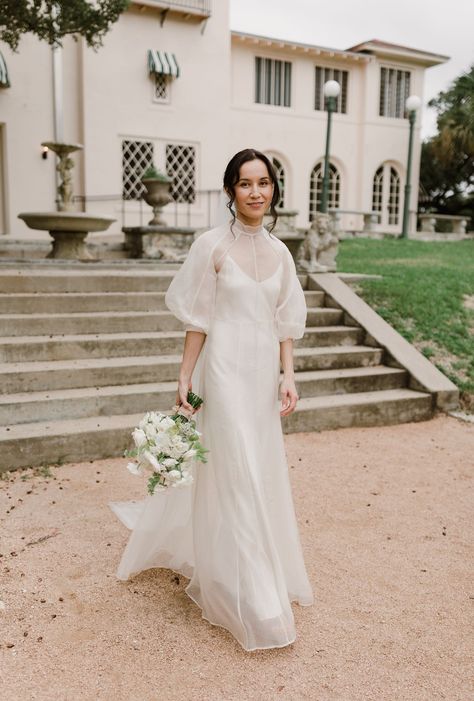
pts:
[317, 252]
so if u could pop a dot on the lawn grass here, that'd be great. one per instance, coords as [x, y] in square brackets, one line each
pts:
[426, 294]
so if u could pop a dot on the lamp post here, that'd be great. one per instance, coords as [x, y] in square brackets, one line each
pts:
[331, 91]
[412, 104]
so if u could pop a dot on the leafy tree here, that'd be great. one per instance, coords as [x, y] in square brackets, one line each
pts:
[447, 159]
[52, 20]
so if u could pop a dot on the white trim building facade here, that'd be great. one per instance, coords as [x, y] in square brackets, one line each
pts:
[175, 86]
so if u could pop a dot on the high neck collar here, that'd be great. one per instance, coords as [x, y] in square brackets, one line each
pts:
[247, 230]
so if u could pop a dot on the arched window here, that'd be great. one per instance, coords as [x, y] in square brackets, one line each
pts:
[377, 190]
[316, 187]
[386, 194]
[280, 173]
[394, 197]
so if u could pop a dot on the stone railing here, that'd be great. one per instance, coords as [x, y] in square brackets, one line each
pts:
[369, 221]
[428, 223]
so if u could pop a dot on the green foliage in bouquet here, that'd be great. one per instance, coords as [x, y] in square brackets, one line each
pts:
[167, 445]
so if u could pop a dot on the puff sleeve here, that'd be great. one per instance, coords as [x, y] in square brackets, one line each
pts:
[191, 293]
[291, 309]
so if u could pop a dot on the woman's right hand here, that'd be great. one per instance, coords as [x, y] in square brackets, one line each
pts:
[184, 386]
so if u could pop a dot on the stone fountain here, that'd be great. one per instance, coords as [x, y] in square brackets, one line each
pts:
[67, 228]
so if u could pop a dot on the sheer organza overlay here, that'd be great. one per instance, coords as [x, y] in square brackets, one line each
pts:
[234, 531]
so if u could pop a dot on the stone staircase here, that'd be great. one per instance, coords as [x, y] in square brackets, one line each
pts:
[85, 351]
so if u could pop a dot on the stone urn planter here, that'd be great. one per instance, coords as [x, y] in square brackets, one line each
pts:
[157, 193]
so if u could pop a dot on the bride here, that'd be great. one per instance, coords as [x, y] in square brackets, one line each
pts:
[233, 533]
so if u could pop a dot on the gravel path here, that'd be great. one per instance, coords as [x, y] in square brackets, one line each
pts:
[386, 520]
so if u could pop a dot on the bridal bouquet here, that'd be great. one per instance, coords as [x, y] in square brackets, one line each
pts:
[165, 445]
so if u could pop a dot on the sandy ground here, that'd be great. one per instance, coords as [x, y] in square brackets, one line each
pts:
[386, 521]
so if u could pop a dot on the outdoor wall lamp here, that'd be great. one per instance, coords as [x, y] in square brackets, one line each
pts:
[412, 105]
[331, 92]
[44, 152]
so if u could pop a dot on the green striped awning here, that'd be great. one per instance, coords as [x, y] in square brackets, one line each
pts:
[162, 62]
[4, 80]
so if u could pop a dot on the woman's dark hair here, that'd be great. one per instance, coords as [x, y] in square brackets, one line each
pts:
[232, 175]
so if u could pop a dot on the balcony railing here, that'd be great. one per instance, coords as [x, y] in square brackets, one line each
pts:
[198, 8]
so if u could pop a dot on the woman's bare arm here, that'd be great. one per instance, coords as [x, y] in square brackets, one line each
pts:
[288, 393]
[193, 344]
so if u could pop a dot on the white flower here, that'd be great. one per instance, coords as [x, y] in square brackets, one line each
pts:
[170, 462]
[139, 437]
[158, 488]
[134, 468]
[189, 454]
[186, 480]
[173, 475]
[166, 423]
[153, 461]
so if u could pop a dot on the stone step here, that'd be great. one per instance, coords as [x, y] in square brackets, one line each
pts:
[119, 322]
[88, 323]
[99, 345]
[73, 440]
[314, 383]
[96, 281]
[391, 406]
[54, 405]
[30, 280]
[33, 376]
[70, 302]
[26, 407]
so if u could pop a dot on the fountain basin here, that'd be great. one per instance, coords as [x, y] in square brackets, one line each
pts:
[68, 231]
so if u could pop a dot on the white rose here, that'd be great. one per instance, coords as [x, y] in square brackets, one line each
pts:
[134, 468]
[169, 462]
[173, 475]
[167, 423]
[160, 446]
[139, 437]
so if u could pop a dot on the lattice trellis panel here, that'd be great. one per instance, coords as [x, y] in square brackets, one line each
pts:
[137, 156]
[161, 87]
[181, 166]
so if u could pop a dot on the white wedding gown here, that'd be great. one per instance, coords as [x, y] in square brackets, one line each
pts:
[233, 532]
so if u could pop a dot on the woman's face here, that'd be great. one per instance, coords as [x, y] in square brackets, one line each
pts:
[253, 192]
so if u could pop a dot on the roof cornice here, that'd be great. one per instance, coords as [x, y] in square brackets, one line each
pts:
[385, 50]
[299, 48]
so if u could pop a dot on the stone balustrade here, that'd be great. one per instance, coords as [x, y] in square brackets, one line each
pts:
[428, 223]
[369, 219]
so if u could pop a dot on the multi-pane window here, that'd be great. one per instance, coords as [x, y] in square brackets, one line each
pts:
[137, 156]
[394, 90]
[162, 87]
[280, 174]
[394, 197]
[386, 194]
[181, 167]
[272, 81]
[377, 190]
[322, 75]
[316, 188]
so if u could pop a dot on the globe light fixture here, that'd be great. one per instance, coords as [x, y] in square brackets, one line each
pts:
[331, 88]
[412, 105]
[331, 92]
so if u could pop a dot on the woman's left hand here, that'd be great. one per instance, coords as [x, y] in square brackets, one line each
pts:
[288, 396]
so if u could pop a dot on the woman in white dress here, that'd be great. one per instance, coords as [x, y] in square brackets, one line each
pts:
[234, 531]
